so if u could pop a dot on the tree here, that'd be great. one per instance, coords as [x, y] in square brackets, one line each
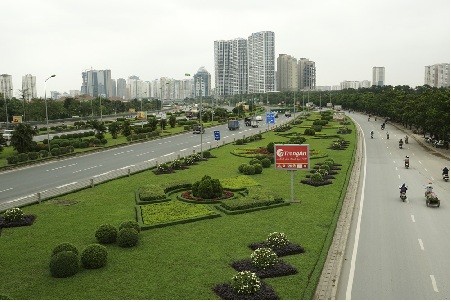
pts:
[2, 142]
[126, 129]
[163, 124]
[114, 129]
[99, 127]
[22, 138]
[172, 121]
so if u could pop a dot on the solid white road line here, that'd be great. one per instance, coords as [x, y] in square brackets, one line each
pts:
[357, 232]
[6, 190]
[434, 284]
[62, 186]
[421, 244]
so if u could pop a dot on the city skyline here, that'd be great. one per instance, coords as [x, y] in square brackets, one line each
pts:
[154, 40]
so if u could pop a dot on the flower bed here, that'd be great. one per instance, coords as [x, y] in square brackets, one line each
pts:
[25, 221]
[226, 292]
[279, 269]
[289, 249]
[187, 196]
[316, 183]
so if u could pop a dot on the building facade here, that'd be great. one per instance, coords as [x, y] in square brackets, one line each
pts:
[437, 75]
[6, 86]
[29, 87]
[121, 89]
[96, 83]
[261, 62]
[306, 74]
[287, 73]
[202, 83]
[378, 76]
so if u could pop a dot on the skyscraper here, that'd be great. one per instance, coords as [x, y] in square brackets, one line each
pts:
[121, 89]
[437, 75]
[261, 66]
[6, 85]
[29, 87]
[96, 83]
[287, 73]
[378, 76]
[202, 83]
[306, 74]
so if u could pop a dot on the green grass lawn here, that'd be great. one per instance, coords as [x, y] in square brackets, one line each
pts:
[182, 261]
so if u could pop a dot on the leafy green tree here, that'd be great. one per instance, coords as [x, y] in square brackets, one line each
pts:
[163, 123]
[152, 123]
[172, 121]
[114, 129]
[126, 129]
[99, 127]
[22, 138]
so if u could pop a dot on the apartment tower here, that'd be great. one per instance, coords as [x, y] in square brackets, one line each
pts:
[261, 62]
[306, 74]
[378, 76]
[287, 73]
[437, 75]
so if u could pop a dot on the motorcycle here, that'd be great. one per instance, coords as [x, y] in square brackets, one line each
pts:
[445, 177]
[406, 164]
[382, 126]
[371, 135]
[400, 146]
[388, 136]
[403, 196]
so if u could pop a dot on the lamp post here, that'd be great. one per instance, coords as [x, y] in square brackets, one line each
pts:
[6, 106]
[101, 116]
[200, 117]
[46, 110]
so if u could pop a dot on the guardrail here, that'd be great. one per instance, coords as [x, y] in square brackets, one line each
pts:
[40, 196]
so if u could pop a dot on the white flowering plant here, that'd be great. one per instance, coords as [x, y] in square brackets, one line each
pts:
[277, 240]
[264, 258]
[14, 214]
[246, 283]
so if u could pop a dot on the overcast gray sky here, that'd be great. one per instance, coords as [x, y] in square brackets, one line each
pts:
[152, 39]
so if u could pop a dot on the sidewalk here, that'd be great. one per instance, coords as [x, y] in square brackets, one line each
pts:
[441, 152]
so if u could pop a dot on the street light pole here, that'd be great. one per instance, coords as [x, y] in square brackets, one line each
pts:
[6, 107]
[200, 117]
[46, 110]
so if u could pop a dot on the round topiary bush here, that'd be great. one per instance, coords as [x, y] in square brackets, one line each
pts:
[325, 167]
[270, 147]
[258, 168]
[309, 131]
[241, 168]
[264, 258]
[246, 283]
[249, 170]
[317, 177]
[207, 188]
[106, 233]
[266, 163]
[277, 240]
[254, 161]
[63, 264]
[94, 256]
[127, 237]
[13, 215]
[130, 224]
[64, 247]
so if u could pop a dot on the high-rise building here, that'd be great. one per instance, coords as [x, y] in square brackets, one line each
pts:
[437, 75]
[121, 89]
[378, 76]
[306, 74]
[260, 62]
[6, 86]
[134, 87]
[29, 87]
[230, 66]
[113, 90]
[202, 83]
[287, 73]
[96, 83]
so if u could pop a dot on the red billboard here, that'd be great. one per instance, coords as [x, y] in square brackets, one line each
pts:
[291, 157]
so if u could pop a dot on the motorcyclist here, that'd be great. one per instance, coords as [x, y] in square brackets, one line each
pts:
[406, 139]
[388, 135]
[428, 189]
[372, 133]
[383, 126]
[406, 161]
[445, 171]
[403, 189]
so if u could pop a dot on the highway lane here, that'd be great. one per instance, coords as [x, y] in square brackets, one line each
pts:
[402, 250]
[37, 178]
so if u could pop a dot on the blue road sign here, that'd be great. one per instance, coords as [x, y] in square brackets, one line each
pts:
[270, 118]
[217, 135]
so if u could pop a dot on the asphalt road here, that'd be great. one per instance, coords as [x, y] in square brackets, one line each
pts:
[15, 184]
[397, 250]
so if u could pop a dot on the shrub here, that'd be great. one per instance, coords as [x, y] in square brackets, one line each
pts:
[266, 163]
[21, 157]
[258, 168]
[94, 256]
[13, 215]
[12, 160]
[176, 164]
[277, 240]
[127, 237]
[206, 154]
[255, 161]
[270, 147]
[207, 188]
[130, 224]
[241, 168]
[246, 283]
[63, 264]
[163, 168]
[317, 177]
[106, 233]
[309, 131]
[325, 167]
[239, 141]
[264, 258]
[317, 128]
[33, 155]
[329, 162]
[55, 151]
[297, 140]
[151, 192]
[65, 247]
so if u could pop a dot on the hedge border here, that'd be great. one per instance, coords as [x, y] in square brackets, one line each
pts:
[229, 212]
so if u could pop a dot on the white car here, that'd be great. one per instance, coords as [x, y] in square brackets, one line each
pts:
[7, 134]
[258, 118]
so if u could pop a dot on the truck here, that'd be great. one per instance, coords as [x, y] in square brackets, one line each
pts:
[251, 122]
[234, 125]
[198, 129]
